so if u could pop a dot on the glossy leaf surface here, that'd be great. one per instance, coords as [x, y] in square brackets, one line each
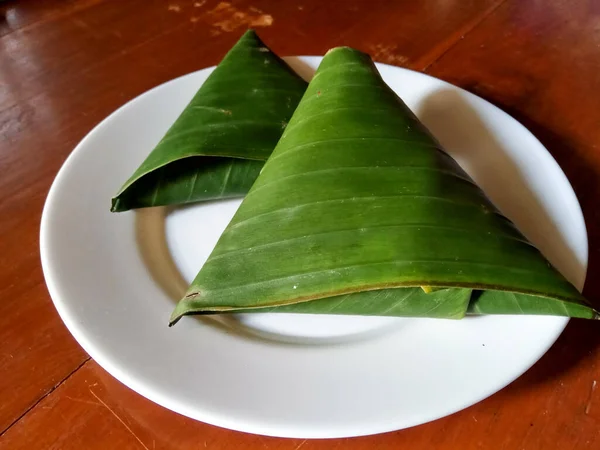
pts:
[358, 207]
[218, 145]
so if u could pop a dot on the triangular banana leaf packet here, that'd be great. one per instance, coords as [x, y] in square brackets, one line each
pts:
[219, 143]
[360, 211]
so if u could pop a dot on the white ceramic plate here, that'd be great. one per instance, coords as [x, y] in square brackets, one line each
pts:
[114, 279]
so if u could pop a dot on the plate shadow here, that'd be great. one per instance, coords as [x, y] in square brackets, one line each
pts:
[455, 124]
[150, 232]
[461, 130]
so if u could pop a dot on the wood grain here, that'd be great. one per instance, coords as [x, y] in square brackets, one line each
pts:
[539, 62]
[65, 65]
[92, 410]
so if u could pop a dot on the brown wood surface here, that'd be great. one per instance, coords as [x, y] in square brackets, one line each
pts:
[66, 64]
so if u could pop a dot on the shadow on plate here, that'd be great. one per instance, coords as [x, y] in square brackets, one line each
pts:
[152, 243]
[469, 138]
[462, 132]
[150, 232]
[578, 344]
[300, 67]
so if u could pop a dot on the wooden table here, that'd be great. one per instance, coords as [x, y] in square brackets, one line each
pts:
[66, 64]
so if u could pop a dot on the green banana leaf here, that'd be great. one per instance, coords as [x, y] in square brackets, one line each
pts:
[360, 211]
[219, 143]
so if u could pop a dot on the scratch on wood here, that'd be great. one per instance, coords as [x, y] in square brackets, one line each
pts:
[120, 420]
[301, 444]
[174, 8]
[589, 402]
[424, 62]
[227, 17]
[40, 401]
[78, 400]
[83, 25]
[261, 439]
[387, 54]
[264, 20]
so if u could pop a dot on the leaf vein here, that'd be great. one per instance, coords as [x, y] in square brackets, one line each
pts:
[450, 173]
[286, 151]
[351, 199]
[343, 230]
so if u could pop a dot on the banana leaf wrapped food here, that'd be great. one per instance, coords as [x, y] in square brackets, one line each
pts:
[219, 143]
[360, 211]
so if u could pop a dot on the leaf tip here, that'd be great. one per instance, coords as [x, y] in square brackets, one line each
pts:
[114, 204]
[182, 308]
[177, 314]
